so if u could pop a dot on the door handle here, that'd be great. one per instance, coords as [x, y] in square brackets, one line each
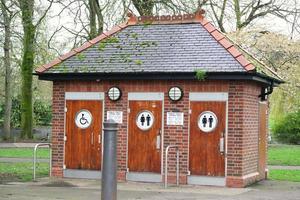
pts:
[158, 140]
[92, 138]
[222, 144]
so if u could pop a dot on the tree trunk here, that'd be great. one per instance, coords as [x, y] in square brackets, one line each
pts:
[27, 7]
[238, 13]
[96, 26]
[7, 63]
[93, 25]
[144, 7]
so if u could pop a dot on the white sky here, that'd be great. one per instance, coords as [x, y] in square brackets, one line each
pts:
[65, 39]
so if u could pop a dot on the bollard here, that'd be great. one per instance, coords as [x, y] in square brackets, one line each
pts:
[109, 165]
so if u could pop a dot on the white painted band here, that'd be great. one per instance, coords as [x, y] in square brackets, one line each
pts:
[84, 96]
[154, 96]
[208, 96]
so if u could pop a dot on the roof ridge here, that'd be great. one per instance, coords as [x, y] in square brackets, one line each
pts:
[198, 16]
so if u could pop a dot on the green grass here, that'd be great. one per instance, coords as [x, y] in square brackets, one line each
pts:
[284, 155]
[23, 153]
[285, 175]
[21, 171]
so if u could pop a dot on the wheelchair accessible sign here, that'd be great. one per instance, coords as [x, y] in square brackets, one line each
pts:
[83, 119]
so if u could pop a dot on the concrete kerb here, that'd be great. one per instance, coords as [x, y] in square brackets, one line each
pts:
[139, 187]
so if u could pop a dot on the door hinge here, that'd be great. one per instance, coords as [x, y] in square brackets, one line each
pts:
[66, 109]
[188, 172]
[128, 110]
[190, 111]
[64, 167]
[127, 170]
[65, 138]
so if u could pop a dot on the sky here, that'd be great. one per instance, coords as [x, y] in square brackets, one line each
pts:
[65, 40]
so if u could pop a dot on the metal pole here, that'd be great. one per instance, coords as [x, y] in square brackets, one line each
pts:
[166, 167]
[177, 166]
[34, 158]
[109, 166]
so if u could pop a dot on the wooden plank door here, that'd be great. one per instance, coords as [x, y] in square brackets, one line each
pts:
[83, 145]
[205, 157]
[143, 154]
[262, 140]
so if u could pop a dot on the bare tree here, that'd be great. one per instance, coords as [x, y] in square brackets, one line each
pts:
[7, 15]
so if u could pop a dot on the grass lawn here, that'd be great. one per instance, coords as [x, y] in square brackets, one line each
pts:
[23, 153]
[21, 171]
[285, 175]
[284, 155]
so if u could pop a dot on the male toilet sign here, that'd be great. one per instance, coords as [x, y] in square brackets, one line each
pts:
[145, 120]
[83, 119]
[207, 121]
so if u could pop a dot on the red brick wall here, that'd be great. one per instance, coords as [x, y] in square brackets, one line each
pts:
[243, 127]
[242, 120]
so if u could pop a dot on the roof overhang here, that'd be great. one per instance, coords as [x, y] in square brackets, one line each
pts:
[254, 76]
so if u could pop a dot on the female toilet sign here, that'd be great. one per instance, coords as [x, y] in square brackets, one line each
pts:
[145, 120]
[207, 121]
[83, 119]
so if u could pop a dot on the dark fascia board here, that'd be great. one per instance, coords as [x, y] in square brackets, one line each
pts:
[160, 76]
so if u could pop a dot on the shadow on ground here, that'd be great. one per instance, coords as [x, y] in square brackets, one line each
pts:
[77, 189]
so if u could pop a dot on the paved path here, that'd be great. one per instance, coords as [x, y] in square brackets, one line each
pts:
[76, 189]
[19, 160]
[284, 167]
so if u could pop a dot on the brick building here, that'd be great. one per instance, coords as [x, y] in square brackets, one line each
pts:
[167, 80]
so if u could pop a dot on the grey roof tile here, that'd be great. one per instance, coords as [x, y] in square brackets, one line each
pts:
[155, 48]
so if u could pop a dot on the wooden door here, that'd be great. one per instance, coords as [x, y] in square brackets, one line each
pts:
[143, 153]
[262, 140]
[205, 157]
[83, 145]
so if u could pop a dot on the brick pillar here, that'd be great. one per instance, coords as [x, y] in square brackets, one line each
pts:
[242, 146]
[58, 104]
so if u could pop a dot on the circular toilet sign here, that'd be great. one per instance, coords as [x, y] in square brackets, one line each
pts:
[207, 121]
[83, 119]
[145, 120]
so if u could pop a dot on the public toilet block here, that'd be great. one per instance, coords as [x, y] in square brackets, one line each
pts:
[166, 80]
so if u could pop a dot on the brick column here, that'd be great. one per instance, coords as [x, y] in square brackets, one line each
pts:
[58, 104]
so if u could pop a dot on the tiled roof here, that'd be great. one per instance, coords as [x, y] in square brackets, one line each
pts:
[182, 43]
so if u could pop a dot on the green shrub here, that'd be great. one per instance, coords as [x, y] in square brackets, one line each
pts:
[15, 113]
[287, 129]
[41, 112]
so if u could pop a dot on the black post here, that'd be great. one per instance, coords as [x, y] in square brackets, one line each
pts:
[109, 166]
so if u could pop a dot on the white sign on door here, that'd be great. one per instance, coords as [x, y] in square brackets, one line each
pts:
[83, 119]
[117, 116]
[175, 118]
[145, 120]
[207, 121]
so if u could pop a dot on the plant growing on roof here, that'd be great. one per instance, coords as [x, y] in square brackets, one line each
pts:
[80, 56]
[147, 23]
[110, 40]
[138, 62]
[200, 74]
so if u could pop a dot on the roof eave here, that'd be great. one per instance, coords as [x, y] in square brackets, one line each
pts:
[254, 76]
